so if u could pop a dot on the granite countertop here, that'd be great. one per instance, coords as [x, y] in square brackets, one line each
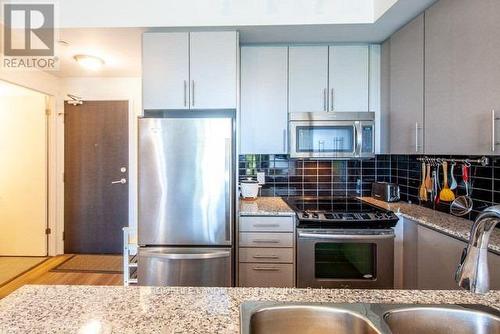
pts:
[265, 206]
[454, 226]
[91, 309]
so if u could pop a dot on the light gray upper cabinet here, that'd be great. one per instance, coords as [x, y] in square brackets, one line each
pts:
[348, 78]
[407, 88]
[195, 70]
[213, 69]
[165, 70]
[308, 78]
[264, 117]
[462, 76]
[438, 259]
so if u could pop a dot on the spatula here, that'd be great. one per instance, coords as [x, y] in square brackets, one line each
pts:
[446, 195]
[428, 180]
[423, 190]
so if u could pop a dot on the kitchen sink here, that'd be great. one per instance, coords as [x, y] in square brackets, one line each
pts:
[430, 320]
[316, 318]
[309, 319]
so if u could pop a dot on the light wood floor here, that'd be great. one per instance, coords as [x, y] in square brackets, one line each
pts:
[42, 275]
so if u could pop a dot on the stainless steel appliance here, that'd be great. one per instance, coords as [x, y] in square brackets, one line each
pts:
[332, 135]
[384, 191]
[343, 243]
[186, 201]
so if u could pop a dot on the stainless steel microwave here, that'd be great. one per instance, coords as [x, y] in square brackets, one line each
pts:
[332, 135]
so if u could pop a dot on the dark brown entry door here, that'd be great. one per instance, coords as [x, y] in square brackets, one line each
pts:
[95, 176]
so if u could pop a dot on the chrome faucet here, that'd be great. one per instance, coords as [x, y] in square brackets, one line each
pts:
[472, 273]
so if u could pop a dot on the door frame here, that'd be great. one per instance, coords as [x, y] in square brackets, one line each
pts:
[58, 241]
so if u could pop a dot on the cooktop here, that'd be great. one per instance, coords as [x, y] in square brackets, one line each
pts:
[340, 212]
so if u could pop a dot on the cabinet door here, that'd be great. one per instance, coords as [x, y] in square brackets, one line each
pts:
[213, 70]
[438, 259]
[407, 88]
[165, 70]
[462, 76]
[308, 78]
[348, 78]
[264, 114]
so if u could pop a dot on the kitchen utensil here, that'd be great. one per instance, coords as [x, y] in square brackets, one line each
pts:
[446, 195]
[435, 190]
[453, 184]
[462, 205]
[423, 190]
[428, 179]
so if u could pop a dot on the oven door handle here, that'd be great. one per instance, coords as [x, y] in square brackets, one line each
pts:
[345, 236]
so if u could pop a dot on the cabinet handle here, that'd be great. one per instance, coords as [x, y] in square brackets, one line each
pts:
[325, 108]
[331, 102]
[185, 93]
[192, 93]
[265, 257]
[265, 269]
[494, 142]
[262, 241]
[417, 145]
[284, 141]
[266, 225]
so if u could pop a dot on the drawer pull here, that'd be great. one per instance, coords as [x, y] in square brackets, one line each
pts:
[262, 241]
[265, 269]
[266, 225]
[266, 257]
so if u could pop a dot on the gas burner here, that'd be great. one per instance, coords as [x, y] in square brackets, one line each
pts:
[340, 212]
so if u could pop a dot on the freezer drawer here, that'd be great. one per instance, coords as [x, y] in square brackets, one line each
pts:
[160, 266]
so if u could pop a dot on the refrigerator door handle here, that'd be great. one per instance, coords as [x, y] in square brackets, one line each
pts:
[187, 256]
[229, 176]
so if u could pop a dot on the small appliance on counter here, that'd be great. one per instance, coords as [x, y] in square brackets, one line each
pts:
[384, 191]
[249, 189]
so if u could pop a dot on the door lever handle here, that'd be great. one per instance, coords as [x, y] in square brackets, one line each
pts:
[122, 181]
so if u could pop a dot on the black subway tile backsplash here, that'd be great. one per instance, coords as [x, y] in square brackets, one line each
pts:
[293, 177]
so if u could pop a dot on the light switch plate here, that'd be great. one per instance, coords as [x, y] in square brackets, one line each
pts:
[261, 177]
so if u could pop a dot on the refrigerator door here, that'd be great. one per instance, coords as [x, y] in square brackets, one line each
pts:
[184, 267]
[185, 181]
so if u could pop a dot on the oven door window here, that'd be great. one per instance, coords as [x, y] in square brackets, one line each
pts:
[330, 139]
[345, 261]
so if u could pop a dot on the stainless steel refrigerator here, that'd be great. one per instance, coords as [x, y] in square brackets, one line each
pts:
[186, 200]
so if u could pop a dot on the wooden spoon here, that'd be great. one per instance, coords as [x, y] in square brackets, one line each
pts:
[428, 180]
[423, 190]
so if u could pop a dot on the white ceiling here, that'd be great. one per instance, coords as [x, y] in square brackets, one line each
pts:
[121, 47]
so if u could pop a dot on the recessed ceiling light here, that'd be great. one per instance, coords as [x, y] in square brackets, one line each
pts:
[90, 62]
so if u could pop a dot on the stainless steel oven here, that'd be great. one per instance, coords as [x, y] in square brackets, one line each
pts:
[332, 135]
[336, 258]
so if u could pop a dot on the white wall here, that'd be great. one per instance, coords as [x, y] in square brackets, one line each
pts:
[127, 88]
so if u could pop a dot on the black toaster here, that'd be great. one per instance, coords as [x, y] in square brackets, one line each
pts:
[385, 191]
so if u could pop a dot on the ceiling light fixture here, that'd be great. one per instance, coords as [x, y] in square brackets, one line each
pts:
[90, 62]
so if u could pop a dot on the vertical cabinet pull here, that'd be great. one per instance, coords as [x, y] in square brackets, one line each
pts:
[325, 97]
[417, 145]
[284, 141]
[494, 142]
[185, 93]
[331, 100]
[192, 93]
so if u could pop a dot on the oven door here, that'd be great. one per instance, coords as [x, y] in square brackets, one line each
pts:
[335, 259]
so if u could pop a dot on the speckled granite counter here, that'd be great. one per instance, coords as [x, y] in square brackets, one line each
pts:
[265, 206]
[454, 226]
[86, 309]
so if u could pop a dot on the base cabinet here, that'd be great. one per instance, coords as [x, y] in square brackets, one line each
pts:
[266, 253]
[431, 259]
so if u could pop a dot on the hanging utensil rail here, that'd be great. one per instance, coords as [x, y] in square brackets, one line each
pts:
[484, 161]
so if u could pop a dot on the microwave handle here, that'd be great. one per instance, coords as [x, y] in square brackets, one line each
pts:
[358, 138]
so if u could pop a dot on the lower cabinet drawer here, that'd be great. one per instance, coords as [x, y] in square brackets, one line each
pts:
[269, 255]
[266, 275]
[266, 240]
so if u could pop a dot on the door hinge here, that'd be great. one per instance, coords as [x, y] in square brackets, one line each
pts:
[63, 235]
[64, 177]
[48, 230]
[47, 112]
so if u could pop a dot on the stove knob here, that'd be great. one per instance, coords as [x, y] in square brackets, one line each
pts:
[315, 215]
[305, 215]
